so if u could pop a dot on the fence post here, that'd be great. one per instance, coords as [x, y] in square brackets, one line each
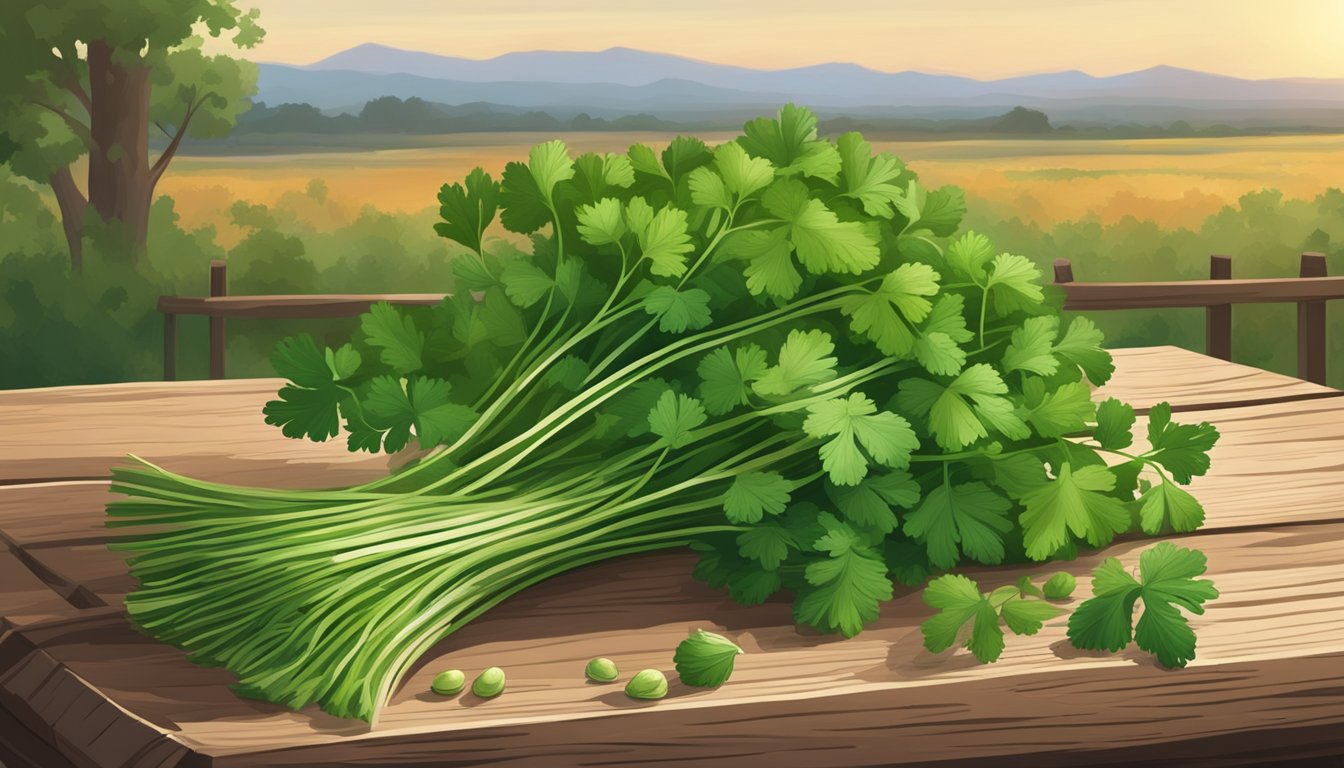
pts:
[219, 286]
[169, 347]
[1311, 325]
[1218, 318]
[1063, 271]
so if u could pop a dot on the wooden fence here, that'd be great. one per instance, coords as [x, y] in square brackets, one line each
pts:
[1216, 295]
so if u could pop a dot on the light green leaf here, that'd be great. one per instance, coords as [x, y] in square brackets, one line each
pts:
[742, 174]
[525, 283]
[939, 354]
[1115, 424]
[769, 257]
[823, 242]
[601, 223]
[804, 360]
[870, 180]
[766, 544]
[665, 242]
[1168, 503]
[676, 310]
[1013, 284]
[1075, 501]
[969, 255]
[550, 164]
[1081, 346]
[855, 422]
[754, 494]
[1064, 411]
[726, 377]
[967, 518]
[844, 591]
[673, 418]
[1032, 347]
[402, 344]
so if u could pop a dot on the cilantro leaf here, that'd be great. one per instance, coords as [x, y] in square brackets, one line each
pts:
[673, 418]
[903, 291]
[770, 269]
[783, 140]
[1032, 347]
[644, 160]
[1169, 504]
[1076, 501]
[1081, 346]
[1013, 284]
[1105, 621]
[1182, 448]
[958, 600]
[963, 411]
[767, 544]
[947, 317]
[1066, 410]
[942, 210]
[939, 354]
[726, 377]
[804, 360]
[467, 212]
[967, 518]
[525, 283]
[705, 660]
[676, 310]
[308, 407]
[664, 242]
[1026, 617]
[753, 494]
[868, 179]
[823, 242]
[602, 222]
[855, 422]
[1115, 422]
[743, 175]
[843, 591]
[870, 503]
[969, 255]
[421, 405]
[401, 342]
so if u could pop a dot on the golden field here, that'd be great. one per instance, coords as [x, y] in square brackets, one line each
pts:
[1176, 182]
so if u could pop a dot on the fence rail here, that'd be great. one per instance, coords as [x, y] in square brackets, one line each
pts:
[1216, 295]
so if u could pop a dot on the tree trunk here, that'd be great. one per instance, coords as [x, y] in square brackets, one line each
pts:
[73, 205]
[119, 179]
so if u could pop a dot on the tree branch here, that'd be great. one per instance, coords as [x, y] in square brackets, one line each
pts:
[161, 164]
[71, 81]
[81, 130]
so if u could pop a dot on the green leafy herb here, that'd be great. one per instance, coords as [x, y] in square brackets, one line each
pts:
[777, 351]
[1105, 622]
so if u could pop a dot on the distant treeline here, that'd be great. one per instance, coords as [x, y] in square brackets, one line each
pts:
[391, 115]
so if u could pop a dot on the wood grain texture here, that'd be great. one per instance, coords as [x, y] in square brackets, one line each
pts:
[77, 679]
[1271, 655]
[1146, 376]
[211, 430]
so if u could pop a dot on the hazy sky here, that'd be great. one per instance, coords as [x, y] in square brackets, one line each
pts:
[981, 38]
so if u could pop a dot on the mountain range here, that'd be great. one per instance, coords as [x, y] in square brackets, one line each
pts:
[623, 80]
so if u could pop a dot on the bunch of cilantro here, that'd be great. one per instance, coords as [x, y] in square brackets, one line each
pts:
[776, 351]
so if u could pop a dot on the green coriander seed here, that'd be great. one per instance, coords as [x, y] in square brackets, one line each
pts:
[489, 683]
[602, 670]
[647, 684]
[448, 682]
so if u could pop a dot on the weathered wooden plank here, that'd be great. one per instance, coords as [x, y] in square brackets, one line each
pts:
[214, 430]
[24, 597]
[290, 306]
[1089, 296]
[1146, 376]
[1271, 656]
[211, 430]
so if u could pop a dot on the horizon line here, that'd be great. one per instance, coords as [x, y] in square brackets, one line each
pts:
[933, 72]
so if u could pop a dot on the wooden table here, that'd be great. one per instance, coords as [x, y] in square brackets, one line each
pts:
[79, 686]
